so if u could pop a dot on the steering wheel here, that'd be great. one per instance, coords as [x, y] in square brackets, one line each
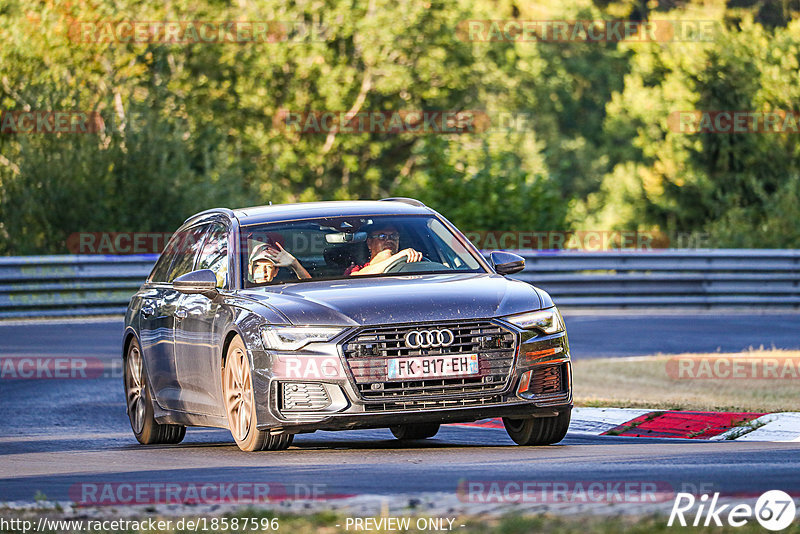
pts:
[396, 265]
[399, 265]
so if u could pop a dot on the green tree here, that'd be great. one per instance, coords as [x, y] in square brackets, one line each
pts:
[726, 184]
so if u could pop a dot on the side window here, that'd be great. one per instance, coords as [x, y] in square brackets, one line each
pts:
[188, 247]
[214, 255]
[161, 268]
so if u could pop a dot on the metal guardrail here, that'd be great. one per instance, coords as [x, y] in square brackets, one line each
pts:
[46, 286]
[668, 277]
[41, 286]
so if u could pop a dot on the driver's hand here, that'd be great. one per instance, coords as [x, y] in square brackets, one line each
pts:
[411, 255]
[279, 256]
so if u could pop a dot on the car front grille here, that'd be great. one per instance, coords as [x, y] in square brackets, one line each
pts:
[368, 350]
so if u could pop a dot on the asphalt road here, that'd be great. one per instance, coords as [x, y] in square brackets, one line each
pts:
[58, 434]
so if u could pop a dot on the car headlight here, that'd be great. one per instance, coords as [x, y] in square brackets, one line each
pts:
[548, 321]
[296, 337]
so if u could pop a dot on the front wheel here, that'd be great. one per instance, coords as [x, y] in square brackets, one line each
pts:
[140, 403]
[237, 389]
[421, 431]
[538, 430]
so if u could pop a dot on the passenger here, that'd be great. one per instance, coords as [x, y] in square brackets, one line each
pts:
[266, 260]
[383, 243]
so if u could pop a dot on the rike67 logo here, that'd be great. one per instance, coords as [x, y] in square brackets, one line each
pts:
[774, 510]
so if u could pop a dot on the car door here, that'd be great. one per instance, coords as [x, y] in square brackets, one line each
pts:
[198, 331]
[159, 316]
[156, 332]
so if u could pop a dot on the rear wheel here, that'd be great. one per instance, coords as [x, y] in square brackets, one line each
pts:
[538, 430]
[140, 403]
[237, 389]
[420, 431]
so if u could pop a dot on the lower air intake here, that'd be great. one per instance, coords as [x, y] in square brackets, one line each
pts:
[303, 397]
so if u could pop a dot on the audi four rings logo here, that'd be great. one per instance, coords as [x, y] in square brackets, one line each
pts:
[423, 339]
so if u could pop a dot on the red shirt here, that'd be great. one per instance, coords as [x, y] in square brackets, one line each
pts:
[354, 268]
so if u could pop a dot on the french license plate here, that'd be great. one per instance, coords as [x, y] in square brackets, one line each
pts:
[432, 366]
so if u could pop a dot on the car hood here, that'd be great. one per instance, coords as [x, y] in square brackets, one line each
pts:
[398, 299]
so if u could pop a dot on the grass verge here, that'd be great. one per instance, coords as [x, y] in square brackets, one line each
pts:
[660, 383]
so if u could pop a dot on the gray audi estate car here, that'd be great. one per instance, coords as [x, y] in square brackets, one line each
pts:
[278, 320]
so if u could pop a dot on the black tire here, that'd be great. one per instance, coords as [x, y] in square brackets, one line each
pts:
[139, 403]
[278, 443]
[237, 388]
[419, 431]
[539, 430]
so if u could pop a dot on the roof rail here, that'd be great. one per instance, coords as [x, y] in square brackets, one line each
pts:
[225, 211]
[405, 200]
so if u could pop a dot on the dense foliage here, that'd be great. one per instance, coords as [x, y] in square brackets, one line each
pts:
[194, 125]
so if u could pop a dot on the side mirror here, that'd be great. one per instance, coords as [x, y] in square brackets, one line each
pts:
[202, 282]
[506, 262]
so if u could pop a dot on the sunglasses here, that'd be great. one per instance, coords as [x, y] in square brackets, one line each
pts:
[394, 236]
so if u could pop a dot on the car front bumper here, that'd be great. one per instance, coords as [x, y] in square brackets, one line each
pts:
[352, 421]
[325, 366]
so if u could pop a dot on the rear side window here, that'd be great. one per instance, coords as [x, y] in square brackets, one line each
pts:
[188, 245]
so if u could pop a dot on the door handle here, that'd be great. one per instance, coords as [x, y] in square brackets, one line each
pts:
[148, 310]
[181, 313]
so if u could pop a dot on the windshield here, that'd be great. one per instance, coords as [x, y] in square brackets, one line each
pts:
[343, 247]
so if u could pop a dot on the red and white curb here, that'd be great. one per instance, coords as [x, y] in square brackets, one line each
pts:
[781, 426]
[597, 421]
[742, 426]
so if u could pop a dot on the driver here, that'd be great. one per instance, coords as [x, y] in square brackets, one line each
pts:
[383, 242]
[266, 260]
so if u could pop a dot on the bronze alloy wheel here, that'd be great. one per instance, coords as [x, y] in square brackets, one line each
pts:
[140, 403]
[135, 388]
[237, 390]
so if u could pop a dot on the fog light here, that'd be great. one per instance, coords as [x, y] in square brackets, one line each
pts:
[304, 397]
[524, 382]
